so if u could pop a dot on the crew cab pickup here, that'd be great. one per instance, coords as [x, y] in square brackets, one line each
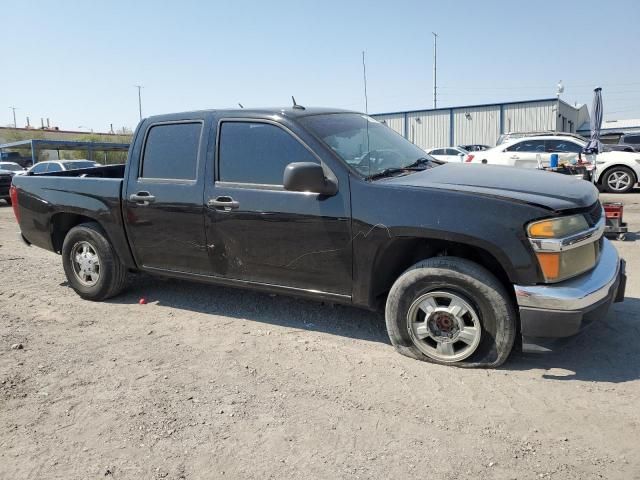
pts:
[464, 259]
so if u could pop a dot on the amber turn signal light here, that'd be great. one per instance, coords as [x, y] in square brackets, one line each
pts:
[550, 264]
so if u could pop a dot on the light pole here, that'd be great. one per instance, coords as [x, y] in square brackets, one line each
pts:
[139, 87]
[435, 67]
[15, 125]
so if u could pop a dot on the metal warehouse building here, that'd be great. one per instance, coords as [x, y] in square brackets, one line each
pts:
[482, 124]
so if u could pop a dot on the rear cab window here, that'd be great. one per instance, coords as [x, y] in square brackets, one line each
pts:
[171, 151]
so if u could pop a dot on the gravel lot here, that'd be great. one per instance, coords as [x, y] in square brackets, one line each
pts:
[207, 382]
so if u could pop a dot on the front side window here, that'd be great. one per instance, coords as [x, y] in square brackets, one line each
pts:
[363, 143]
[562, 146]
[535, 146]
[40, 168]
[54, 167]
[632, 139]
[171, 151]
[257, 152]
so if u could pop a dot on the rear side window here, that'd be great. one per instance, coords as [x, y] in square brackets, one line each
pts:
[562, 146]
[254, 152]
[632, 139]
[171, 151]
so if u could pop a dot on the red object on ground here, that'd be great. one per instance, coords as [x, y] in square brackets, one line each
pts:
[142, 301]
[613, 210]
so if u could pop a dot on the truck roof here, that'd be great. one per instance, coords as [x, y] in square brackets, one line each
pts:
[290, 112]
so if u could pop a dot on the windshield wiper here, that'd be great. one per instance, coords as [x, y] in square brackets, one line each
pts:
[390, 171]
[415, 167]
[420, 161]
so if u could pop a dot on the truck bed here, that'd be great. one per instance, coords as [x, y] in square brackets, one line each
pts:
[49, 200]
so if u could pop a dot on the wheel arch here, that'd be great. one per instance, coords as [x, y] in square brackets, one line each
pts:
[602, 175]
[62, 222]
[401, 253]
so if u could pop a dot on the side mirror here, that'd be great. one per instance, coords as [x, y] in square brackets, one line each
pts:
[308, 177]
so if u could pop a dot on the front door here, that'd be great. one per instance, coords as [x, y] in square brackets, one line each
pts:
[525, 154]
[163, 201]
[259, 232]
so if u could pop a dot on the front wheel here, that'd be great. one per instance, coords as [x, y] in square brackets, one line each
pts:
[8, 200]
[619, 180]
[92, 267]
[451, 311]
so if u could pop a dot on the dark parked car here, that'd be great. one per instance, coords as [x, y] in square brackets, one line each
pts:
[6, 177]
[333, 205]
[626, 142]
[16, 157]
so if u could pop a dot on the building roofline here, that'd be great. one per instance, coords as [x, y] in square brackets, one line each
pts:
[494, 104]
[52, 130]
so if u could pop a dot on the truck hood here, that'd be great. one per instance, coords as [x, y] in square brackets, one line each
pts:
[546, 189]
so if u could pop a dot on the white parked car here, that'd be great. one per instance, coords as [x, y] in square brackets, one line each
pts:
[616, 172]
[12, 167]
[449, 154]
[61, 165]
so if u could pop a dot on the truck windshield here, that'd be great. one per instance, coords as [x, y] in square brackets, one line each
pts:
[368, 146]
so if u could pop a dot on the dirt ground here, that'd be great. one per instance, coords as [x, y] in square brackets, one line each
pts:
[207, 382]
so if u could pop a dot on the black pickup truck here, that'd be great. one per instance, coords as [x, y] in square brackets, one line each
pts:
[332, 205]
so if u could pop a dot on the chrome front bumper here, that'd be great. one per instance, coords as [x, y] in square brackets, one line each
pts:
[563, 309]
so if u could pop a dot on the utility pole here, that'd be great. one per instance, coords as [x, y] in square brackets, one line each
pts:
[139, 100]
[364, 75]
[15, 125]
[435, 69]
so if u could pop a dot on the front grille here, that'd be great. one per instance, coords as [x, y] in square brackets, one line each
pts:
[594, 213]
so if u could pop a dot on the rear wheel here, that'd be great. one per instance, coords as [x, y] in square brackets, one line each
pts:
[451, 311]
[92, 267]
[619, 180]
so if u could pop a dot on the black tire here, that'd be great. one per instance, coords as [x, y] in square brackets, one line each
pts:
[483, 291]
[484, 161]
[8, 200]
[614, 170]
[112, 273]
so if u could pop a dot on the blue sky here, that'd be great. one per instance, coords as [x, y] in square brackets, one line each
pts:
[77, 62]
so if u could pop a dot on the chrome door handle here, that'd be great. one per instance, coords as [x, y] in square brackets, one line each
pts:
[142, 198]
[223, 203]
[514, 157]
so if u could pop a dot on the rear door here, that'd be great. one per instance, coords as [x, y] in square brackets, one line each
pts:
[163, 205]
[259, 232]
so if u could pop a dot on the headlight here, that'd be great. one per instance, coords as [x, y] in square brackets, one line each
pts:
[565, 246]
[558, 227]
